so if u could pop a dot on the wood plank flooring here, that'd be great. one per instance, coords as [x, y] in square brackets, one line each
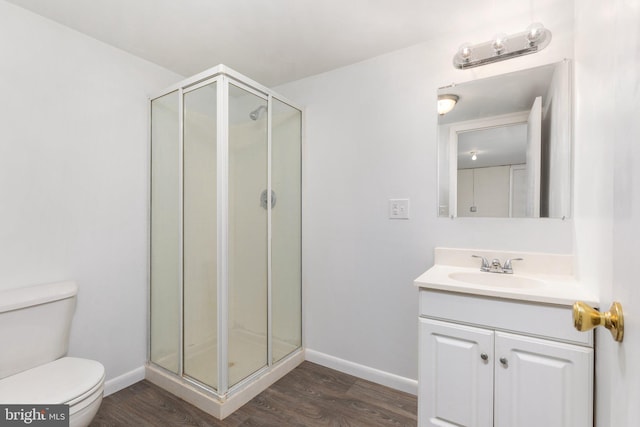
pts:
[310, 395]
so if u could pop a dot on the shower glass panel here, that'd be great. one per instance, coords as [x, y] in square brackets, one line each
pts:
[225, 267]
[165, 232]
[247, 257]
[286, 298]
[200, 235]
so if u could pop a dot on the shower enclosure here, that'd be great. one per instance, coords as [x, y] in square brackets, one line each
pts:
[225, 264]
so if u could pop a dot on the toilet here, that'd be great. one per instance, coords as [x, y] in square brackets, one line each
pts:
[34, 331]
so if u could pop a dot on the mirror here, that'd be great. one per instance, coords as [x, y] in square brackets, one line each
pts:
[504, 150]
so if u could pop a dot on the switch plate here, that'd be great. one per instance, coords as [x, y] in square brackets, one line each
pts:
[398, 208]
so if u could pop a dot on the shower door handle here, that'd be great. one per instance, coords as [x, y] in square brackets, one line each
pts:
[263, 199]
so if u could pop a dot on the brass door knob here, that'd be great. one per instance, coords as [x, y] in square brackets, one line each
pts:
[586, 318]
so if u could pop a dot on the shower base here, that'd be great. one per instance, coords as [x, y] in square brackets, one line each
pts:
[222, 406]
[246, 355]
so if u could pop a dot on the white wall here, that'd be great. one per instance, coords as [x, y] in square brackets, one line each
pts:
[487, 189]
[371, 136]
[73, 168]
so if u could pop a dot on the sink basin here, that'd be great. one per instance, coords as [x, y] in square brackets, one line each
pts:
[496, 280]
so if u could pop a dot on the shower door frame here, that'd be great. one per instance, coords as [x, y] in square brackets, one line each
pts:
[223, 77]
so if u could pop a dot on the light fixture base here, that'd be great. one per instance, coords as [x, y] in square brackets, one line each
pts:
[508, 47]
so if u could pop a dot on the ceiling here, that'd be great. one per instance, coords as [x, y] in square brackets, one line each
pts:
[271, 41]
[480, 99]
[502, 94]
[498, 146]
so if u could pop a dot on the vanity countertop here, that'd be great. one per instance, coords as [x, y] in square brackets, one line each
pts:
[551, 286]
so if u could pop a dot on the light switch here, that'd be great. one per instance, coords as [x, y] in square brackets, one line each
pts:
[398, 208]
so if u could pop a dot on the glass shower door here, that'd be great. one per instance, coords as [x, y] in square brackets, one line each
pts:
[200, 269]
[165, 232]
[247, 234]
[286, 296]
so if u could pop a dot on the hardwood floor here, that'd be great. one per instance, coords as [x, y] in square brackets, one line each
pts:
[310, 395]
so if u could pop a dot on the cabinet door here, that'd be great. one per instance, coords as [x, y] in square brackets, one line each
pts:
[542, 383]
[456, 375]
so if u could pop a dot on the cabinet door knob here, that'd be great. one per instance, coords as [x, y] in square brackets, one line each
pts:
[484, 356]
[504, 361]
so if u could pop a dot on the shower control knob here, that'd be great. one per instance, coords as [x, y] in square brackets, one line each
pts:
[263, 199]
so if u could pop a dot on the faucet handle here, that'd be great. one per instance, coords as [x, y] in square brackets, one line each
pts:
[508, 268]
[485, 263]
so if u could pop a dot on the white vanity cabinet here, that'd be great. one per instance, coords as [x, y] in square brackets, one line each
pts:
[488, 361]
[456, 375]
[540, 382]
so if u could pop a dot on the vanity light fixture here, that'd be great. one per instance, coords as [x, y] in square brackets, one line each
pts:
[535, 38]
[446, 103]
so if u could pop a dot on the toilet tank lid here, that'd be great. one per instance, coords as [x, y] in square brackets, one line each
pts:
[14, 299]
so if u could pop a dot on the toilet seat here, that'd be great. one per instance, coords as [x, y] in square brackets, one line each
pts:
[69, 380]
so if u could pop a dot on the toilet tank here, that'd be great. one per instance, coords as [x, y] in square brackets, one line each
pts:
[34, 325]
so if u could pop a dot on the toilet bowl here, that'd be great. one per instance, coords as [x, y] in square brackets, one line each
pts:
[34, 369]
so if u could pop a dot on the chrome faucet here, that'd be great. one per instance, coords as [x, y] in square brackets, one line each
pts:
[508, 269]
[495, 266]
[485, 263]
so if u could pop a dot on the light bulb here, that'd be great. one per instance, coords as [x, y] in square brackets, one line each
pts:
[534, 32]
[465, 51]
[446, 103]
[474, 156]
[499, 43]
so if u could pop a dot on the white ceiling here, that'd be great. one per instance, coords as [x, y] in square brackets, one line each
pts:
[271, 41]
[502, 94]
[507, 93]
[499, 146]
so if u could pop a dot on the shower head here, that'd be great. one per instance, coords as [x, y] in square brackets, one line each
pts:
[256, 113]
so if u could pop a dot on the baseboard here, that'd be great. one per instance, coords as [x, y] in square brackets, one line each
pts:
[371, 374]
[365, 372]
[123, 381]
